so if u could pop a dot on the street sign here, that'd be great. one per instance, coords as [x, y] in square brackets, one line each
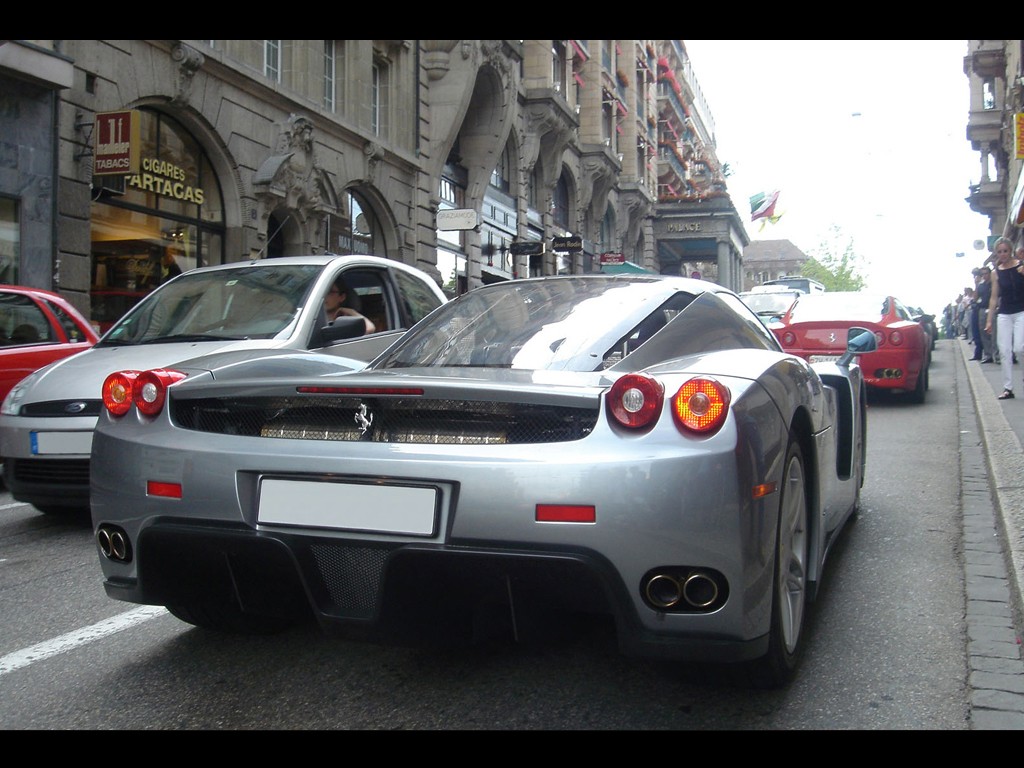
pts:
[456, 218]
[530, 248]
[567, 244]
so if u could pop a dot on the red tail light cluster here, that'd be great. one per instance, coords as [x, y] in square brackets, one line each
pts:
[147, 390]
[701, 405]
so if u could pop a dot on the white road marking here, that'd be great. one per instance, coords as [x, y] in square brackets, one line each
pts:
[72, 640]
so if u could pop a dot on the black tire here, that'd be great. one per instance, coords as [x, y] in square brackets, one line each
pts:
[918, 395]
[789, 584]
[228, 619]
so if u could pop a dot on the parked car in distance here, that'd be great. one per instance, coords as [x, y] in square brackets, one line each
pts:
[928, 321]
[638, 446]
[816, 325]
[47, 420]
[37, 327]
[770, 303]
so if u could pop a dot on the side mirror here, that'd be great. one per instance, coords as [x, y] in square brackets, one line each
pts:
[342, 328]
[858, 342]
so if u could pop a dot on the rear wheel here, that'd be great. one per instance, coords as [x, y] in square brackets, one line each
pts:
[918, 395]
[790, 589]
[228, 618]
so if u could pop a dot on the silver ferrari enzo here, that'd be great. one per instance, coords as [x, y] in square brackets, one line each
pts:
[634, 446]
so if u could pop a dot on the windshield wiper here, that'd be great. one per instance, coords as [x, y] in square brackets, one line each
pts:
[191, 337]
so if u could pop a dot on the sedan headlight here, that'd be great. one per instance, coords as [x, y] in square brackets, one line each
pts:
[13, 400]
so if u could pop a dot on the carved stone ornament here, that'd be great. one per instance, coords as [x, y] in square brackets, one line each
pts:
[189, 60]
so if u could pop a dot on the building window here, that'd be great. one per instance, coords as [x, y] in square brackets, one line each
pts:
[560, 204]
[988, 93]
[503, 171]
[558, 61]
[329, 75]
[379, 97]
[608, 120]
[10, 241]
[272, 59]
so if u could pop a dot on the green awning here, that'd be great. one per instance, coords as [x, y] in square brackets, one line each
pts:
[626, 268]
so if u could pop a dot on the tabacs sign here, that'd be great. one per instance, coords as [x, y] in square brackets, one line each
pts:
[116, 146]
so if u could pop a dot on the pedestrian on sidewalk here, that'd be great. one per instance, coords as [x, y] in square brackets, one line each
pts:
[1007, 306]
[983, 292]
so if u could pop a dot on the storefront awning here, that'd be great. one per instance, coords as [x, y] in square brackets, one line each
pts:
[625, 268]
[1017, 206]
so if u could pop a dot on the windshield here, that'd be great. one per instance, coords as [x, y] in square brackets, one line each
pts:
[846, 305]
[768, 303]
[253, 302]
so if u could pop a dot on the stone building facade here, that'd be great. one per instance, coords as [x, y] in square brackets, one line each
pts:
[995, 128]
[554, 156]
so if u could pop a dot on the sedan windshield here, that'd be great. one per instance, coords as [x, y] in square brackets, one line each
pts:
[256, 302]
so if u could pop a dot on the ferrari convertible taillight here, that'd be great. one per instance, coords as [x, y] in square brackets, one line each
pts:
[635, 400]
[701, 405]
[117, 392]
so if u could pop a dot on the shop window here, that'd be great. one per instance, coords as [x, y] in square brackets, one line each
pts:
[147, 226]
[10, 240]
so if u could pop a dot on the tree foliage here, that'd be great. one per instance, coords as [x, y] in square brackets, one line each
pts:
[836, 264]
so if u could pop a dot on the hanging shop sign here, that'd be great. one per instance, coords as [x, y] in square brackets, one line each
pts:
[116, 144]
[567, 244]
[530, 248]
[612, 258]
[1018, 134]
[456, 218]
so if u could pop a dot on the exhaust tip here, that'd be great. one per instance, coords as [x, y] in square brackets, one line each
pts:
[113, 543]
[700, 590]
[683, 588]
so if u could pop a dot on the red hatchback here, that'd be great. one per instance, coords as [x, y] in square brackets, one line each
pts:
[816, 325]
[37, 327]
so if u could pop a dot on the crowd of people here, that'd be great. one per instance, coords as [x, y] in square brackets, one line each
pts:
[990, 313]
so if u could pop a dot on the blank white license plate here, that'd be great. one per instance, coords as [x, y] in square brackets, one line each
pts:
[824, 358]
[60, 442]
[410, 510]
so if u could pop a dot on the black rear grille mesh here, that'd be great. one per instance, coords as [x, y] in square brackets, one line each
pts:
[352, 576]
[390, 420]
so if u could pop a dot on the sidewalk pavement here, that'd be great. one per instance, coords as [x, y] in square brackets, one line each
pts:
[992, 494]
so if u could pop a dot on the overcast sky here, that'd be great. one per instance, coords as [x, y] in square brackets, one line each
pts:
[867, 136]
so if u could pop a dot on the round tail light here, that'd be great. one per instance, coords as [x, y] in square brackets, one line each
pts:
[117, 391]
[701, 405]
[151, 389]
[635, 400]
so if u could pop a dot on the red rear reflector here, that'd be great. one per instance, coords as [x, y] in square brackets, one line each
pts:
[566, 513]
[167, 490]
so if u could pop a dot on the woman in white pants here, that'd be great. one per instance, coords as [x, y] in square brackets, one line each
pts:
[1007, 306]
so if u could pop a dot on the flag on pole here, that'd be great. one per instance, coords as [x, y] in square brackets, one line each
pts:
[762, 205]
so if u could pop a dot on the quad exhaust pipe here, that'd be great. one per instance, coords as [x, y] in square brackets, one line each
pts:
[686, 589]
[113, 543]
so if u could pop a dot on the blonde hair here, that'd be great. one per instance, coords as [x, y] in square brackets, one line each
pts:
[1001, 240]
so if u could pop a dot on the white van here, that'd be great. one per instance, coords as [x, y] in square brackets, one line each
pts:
[805, 284]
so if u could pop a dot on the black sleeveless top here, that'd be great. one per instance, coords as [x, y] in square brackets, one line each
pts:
[1011, 291]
